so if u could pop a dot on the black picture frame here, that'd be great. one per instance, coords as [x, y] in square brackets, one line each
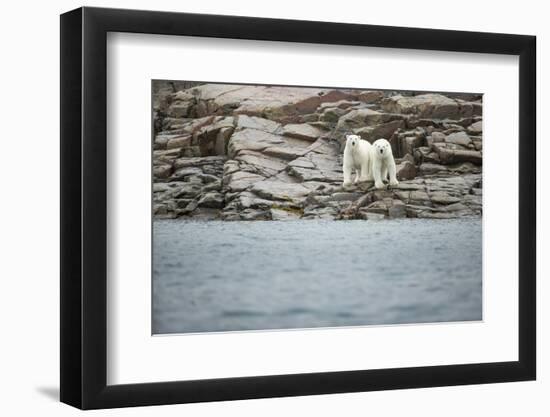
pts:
[84, 207]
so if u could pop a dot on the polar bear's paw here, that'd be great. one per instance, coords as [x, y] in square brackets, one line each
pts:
[394, 183]
[379, 185]
[346, 184]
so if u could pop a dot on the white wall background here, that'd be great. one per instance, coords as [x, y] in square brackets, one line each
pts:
[29, 219]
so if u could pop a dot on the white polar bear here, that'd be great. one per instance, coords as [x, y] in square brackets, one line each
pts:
[357, 156]
[382, 163]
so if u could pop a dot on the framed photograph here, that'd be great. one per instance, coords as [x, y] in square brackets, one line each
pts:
[259, 208]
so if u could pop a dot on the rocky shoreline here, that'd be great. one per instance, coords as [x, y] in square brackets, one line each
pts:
[239, 152]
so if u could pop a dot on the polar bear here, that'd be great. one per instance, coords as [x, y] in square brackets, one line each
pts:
[357, 156]
[383, 164]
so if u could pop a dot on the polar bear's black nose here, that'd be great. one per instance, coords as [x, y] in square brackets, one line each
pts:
[381, 150]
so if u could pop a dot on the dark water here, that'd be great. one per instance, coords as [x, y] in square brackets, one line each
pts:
[222, 276]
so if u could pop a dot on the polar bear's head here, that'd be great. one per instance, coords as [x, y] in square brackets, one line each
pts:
[382, 147]
[352, 141]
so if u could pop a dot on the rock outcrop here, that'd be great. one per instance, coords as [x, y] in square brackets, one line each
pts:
[238, 152]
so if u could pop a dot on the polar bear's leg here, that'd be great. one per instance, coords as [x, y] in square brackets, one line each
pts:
[364, 171]
[347, 172]
[391, 171]
[369, 175]
[385, 170]
[357, 175]
[376, 172]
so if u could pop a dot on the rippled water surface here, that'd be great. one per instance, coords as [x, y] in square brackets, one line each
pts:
[224, 276]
